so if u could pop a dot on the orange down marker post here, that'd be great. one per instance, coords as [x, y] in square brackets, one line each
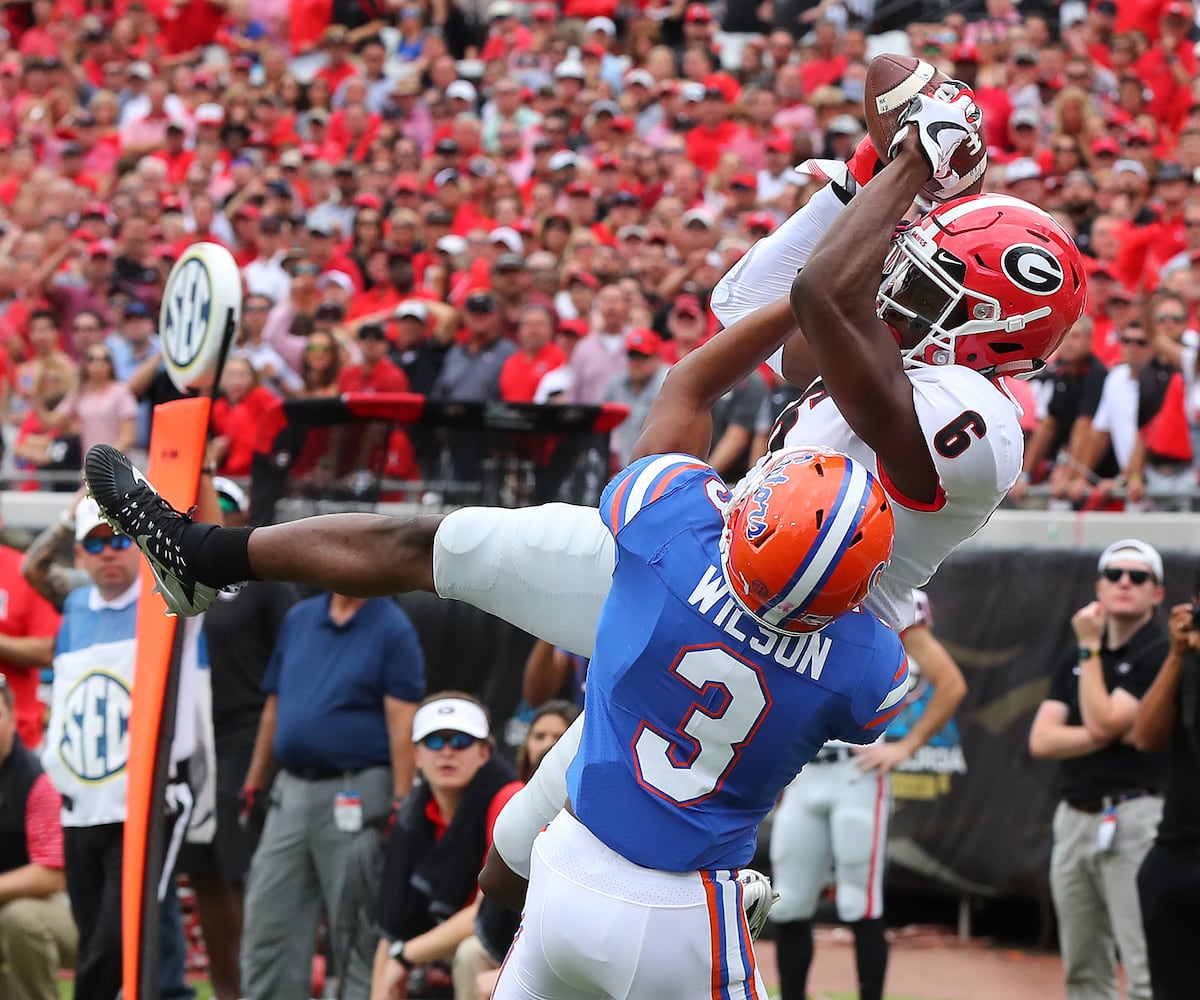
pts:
[177, 442]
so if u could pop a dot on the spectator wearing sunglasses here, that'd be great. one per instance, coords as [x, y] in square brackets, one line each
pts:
[441, 835]
[1111, 792]
[86, 751]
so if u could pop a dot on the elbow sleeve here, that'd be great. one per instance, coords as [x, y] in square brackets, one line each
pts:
[535, 805]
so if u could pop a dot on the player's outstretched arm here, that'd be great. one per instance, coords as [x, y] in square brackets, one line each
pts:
[833, 299]
[681, 418]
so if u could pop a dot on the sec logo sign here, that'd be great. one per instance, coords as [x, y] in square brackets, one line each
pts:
[201, 310]
[95, 740]
[189, 310]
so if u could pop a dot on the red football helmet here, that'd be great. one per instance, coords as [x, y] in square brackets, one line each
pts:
[992, 282]
[806, 536]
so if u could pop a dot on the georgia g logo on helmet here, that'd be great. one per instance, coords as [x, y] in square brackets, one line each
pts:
[1033, 269]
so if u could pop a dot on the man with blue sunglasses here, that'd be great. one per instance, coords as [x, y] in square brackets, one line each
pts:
[86, 750]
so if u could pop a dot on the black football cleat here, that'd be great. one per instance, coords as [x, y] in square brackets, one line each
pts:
[133, 507]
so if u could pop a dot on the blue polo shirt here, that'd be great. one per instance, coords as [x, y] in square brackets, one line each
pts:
[330, 681]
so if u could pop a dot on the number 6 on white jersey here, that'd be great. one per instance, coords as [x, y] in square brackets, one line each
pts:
[716, 737]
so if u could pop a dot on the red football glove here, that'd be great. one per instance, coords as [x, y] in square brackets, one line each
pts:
[846, 177]
[864, 162]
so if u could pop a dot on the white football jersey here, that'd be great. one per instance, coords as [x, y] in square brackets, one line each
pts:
[975, 439]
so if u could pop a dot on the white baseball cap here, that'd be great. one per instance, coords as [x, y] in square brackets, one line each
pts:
[570, 69]
[464, 90]
[1024, 168]
[412, 308]
[454, 714]
[452, 244]
[87, 518]
[604, 24]
[508, 237]
[1136, 550]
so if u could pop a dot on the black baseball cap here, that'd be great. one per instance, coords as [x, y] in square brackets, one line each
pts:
[480, 302]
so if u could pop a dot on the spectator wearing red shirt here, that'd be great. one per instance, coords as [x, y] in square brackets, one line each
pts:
[713, 131]
[336, 43]
[236, 416]
[1163, 239]
[538, 354]
[506, 34]
[71, 167]
[826, 65]
[175, 154]
[1140, 15]
[327, 255]
[37, 934]
[1169, 67]
[28, 627]
[38, 39]
[361, 447]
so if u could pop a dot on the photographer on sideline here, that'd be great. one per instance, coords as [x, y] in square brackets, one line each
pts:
[1169, 879]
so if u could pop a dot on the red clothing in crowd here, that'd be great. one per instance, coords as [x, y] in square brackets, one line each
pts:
[238, 422]
[1166, 433]
[43, 823]
[383, 377]
[705, 145]
[307, 20]
[520, 375]
[188, 26]
[1139, 15]
[24, 614]
[1170, 101]
[586, 9]
[822, 72]
[1144, 249]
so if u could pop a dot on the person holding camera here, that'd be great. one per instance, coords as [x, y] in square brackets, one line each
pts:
[1111, 792]
[1169, 879]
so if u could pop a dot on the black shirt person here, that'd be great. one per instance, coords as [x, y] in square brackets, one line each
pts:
[1169, 879]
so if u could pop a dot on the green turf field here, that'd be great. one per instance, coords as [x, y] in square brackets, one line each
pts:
[66, 990]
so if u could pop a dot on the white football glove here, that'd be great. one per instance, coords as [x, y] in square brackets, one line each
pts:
[758, 896]
[942, 123]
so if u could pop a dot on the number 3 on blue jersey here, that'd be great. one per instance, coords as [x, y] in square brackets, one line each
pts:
[715, 737]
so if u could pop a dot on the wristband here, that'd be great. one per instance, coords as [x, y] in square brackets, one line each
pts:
[1086, 653]
[396, 951]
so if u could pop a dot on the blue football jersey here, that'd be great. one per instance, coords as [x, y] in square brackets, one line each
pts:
[696, 716]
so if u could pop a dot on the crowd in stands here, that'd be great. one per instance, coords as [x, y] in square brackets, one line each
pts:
[531, 202]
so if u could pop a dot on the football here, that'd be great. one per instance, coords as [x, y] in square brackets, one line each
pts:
[892, 81]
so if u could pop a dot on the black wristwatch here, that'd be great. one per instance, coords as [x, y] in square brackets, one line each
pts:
[396, 951]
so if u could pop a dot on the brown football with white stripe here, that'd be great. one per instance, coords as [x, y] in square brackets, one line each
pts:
[892, 81]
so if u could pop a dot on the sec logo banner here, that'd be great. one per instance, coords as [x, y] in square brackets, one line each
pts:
[95, 739]
[201, 308]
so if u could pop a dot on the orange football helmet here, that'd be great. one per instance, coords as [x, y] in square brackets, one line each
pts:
[806, 536]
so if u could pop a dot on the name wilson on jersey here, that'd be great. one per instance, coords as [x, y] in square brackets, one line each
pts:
[805, 654]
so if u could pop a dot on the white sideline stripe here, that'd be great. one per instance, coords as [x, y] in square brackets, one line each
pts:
[905, 90]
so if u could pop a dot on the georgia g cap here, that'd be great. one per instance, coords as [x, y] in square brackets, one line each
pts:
[456, 715]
